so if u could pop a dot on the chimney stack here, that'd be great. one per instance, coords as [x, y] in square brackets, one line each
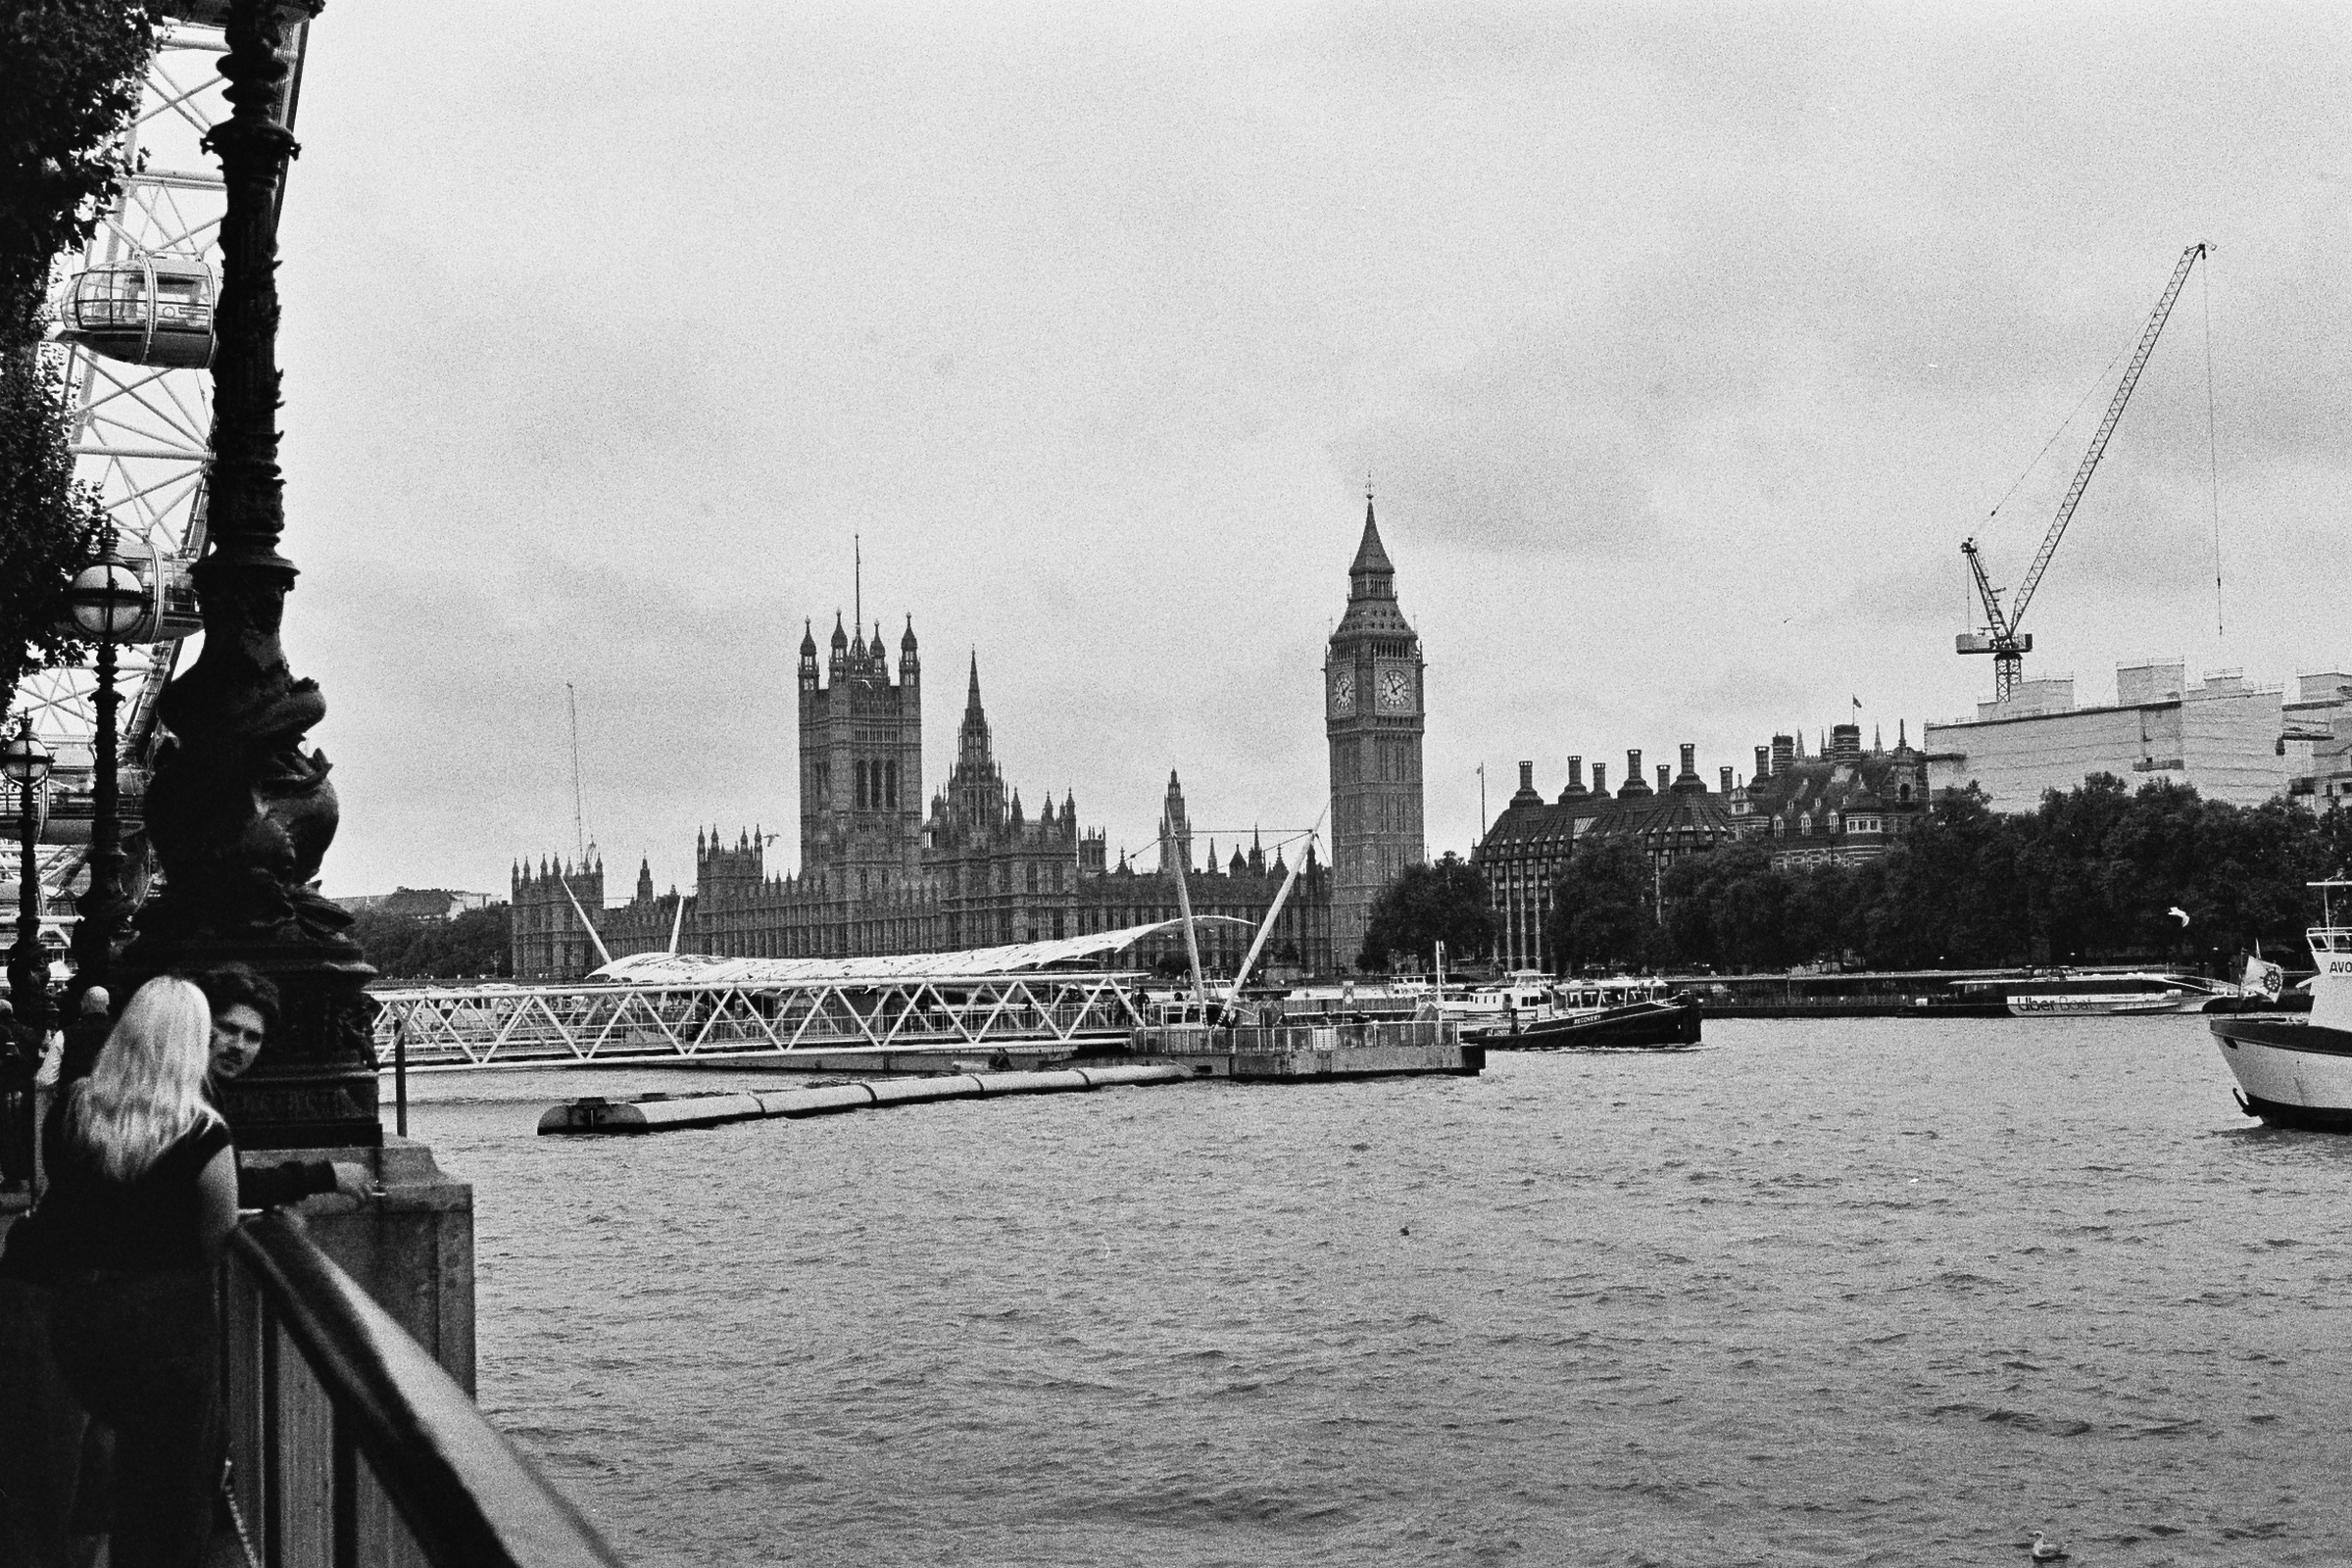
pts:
[1632, 765]
[1576, 776]
[1665, 778]
[1845, 743]
[1763, 764]
[1726, 774]
[1527, 775]
[1600, 778]
[1784, 754]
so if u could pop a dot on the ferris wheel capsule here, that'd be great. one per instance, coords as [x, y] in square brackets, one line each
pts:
[152, 308]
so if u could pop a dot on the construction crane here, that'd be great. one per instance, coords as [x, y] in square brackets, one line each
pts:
[2000, 637]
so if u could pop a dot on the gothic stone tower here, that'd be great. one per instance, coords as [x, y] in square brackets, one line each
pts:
[1372, 697]
[862, 766]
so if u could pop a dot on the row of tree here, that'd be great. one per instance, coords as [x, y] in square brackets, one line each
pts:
[2099, 872]
[477, 944]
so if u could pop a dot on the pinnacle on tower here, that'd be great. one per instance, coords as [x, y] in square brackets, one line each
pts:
[971, 695]
[807, 639]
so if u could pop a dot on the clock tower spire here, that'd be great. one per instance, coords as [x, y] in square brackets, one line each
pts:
[1373, 720]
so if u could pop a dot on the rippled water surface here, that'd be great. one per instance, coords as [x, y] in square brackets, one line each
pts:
[1850, 1292]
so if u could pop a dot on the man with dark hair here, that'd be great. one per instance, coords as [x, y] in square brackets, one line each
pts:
[244, 1010]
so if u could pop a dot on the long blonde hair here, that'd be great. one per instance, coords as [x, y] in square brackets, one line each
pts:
[146, 1089]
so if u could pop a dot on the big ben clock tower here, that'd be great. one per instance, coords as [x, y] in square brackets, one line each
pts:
[1373, 716]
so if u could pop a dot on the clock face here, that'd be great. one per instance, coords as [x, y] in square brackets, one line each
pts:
[1343, 693]
[1395, 688]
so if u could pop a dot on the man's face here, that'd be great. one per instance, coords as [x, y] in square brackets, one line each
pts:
[236, 1040]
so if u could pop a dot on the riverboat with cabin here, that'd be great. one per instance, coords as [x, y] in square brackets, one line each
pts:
[2297, 1072]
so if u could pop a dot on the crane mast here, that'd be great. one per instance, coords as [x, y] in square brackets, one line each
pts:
[2000, 637]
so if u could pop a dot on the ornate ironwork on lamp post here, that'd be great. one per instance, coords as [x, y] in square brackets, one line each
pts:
[241, 810]
[108, 603]
[25, 762]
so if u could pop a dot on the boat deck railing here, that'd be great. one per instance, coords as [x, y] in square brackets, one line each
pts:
[349, 1444]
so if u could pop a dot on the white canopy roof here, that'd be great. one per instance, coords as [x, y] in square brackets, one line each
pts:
[695, 968]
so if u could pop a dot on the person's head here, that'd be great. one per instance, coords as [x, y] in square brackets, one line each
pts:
[244, 1011]
[147, 1086]
[95, 1001]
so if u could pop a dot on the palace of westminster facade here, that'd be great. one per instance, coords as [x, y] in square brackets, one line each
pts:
[884, 871]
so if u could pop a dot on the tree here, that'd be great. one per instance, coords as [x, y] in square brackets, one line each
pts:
[477, 944]
[1604, 907]
[1426, 905]
[69, 75]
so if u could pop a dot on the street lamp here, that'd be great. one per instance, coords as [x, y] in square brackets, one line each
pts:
[108, 603]
[25, 762]
[239, 808]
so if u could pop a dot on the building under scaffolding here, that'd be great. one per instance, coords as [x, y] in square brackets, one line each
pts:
[2224, 737]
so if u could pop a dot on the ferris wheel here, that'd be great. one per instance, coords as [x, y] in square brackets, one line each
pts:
[131, 331]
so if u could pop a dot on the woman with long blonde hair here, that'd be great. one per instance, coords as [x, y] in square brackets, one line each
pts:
[142, 1194]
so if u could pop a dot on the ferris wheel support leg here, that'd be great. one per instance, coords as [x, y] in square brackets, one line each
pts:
[241, 810]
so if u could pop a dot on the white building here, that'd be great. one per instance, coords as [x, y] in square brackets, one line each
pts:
[2225, 737]
[2319, 737]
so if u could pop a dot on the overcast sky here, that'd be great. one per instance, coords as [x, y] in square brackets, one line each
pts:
[1684, 344]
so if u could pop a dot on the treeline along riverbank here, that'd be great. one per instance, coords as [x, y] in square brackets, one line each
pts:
[2094, 875]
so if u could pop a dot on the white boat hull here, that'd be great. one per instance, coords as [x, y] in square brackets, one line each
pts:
[2289, 1073]
[2115, 1005]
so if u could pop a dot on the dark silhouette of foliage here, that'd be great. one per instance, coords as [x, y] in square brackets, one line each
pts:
[1426, 905]
[1604, 909]
[70, 74]
[2092, 875]
[476, 945]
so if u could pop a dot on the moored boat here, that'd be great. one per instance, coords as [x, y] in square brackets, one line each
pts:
[1618, 1011]
[2076, 994]
[2297, 1072]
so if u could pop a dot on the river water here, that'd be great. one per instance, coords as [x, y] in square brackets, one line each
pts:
[1894, 1292]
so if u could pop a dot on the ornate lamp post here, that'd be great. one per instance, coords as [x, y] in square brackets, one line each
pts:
[25, 762]
[241, 810]
[109, 604]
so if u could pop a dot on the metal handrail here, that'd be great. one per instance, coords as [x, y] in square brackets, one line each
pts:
[464, 1492]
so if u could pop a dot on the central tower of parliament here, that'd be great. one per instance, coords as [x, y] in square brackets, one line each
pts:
[885, 869]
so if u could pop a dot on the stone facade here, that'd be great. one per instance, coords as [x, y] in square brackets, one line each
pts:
[880, 874]
[1373, 720]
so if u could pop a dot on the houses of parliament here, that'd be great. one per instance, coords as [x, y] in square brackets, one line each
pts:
[885, 869]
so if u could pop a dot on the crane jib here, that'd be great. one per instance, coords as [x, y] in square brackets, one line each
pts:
[2003, 640]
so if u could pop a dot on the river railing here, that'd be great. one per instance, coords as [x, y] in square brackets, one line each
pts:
[351, 1447]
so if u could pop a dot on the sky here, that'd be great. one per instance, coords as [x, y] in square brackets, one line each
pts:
[1683, 345]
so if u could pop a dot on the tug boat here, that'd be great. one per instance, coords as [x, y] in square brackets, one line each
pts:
[2297, 1072]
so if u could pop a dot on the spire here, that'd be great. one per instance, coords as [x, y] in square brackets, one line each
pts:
[1370, 574]
[841, 638]
[807, 639]
[971, 695]
[907, 641]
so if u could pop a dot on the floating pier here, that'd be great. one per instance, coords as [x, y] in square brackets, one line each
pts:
[661, 1113]
[1177, 1054]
